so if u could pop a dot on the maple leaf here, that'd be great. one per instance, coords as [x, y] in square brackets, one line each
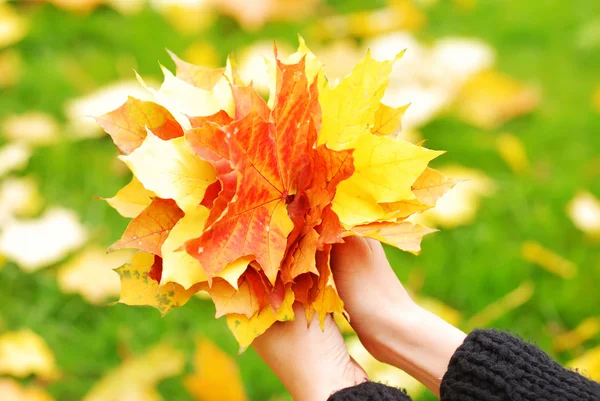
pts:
[132, 199]
[247, 204]
[128, 124]
[150, 229]
[269, 158]
[137, 288]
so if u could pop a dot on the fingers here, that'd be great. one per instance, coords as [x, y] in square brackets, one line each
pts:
[358, 254]
[311, 364]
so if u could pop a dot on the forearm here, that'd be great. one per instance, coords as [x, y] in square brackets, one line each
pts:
[418, 342]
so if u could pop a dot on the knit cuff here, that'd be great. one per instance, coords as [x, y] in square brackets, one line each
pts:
[370, 391]
[495, 366]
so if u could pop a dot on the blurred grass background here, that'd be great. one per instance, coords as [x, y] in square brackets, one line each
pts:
[67, 54]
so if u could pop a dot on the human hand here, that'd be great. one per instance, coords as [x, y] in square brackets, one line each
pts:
[391, 326]
[312, 364]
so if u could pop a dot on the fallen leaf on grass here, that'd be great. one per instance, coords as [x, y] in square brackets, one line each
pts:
[13, 156]
[584, 210]
[32, 128]
[490, 99]
[534, 252]
[24, 353]
[13, 26]
[90, 273]
[19, 197]
[502, 306]
[588, 364]
[11, 65]
[513, 152]
[217, 375]
[586, 330]
[137, 377]
[12, 390]
[37, 243]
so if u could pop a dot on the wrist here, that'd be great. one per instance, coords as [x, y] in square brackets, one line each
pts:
[418, 342]
[323, 383]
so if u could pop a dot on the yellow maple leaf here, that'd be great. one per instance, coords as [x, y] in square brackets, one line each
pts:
[171, 169]
[217, 375]
[136, 378]
[385, 170]
[139, 289]
[403, 235]
[388, 120]
[349, 108]
[131, 199]
[247, 329]
[24, 353]
[178, 265]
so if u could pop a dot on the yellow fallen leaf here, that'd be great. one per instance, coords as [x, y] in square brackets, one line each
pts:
[24, 353]
[90, 273]
[217, 375]
[171, 170]
[203, 53]
[588, 364]
[247, 329]
[11, 66]
[19, 197]
[13, 156]
[13, 26]
[534, 252]
[399, 15]
[458, 206]
[32, 128]
[381, 372]
[584, 210]
[131, 199]
[502, 306]
[12, 390]
[490, 98]
[596, 99]
[37, 243]
[137, 288]
[187, 17]
[136, 378]
[513, 152]
[586, 330]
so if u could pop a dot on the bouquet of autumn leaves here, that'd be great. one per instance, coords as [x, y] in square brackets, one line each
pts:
[244, 198]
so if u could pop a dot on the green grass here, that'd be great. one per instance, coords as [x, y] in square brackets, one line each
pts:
[467, 267]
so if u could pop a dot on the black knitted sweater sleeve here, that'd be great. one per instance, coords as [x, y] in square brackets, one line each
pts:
[493, 366]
